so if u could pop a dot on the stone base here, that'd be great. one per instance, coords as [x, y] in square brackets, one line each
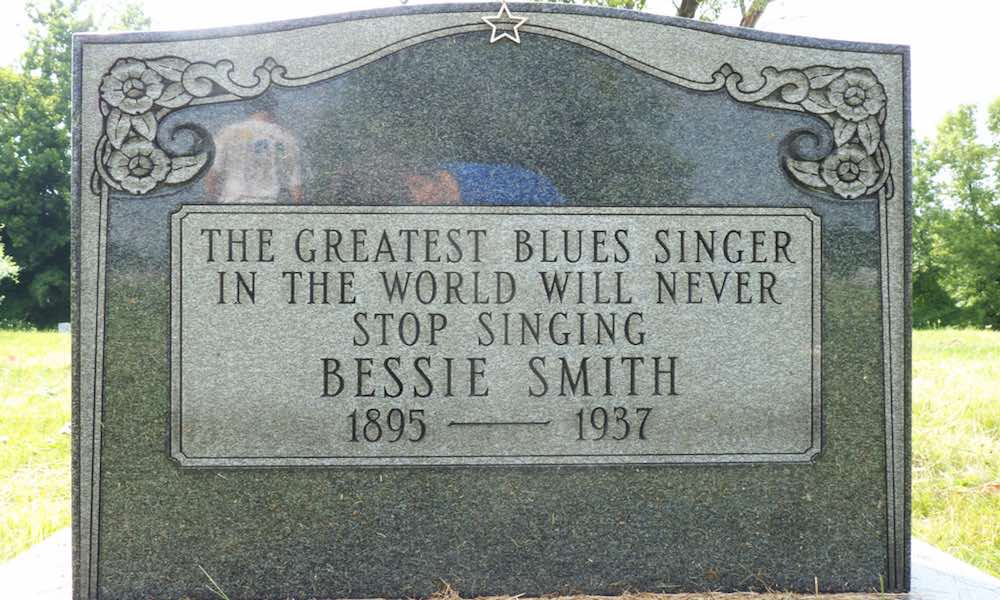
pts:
[44, 573]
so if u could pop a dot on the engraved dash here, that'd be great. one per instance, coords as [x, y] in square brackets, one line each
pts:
[492, 423]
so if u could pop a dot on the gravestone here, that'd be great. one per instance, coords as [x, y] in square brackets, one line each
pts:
[537, 299]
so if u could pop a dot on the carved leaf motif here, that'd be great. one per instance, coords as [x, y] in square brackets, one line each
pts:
[183, 81]
[822, 76]
[869, 133]
[184, 168]
[843, 131]
[200, 80]
[174, 96]
[170, 68]
[117, 127]
[806, 171]
[145, 125]
[203, 79]
[794, 86]
[818, 102]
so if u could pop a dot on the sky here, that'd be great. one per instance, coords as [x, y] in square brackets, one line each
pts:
[955, 44]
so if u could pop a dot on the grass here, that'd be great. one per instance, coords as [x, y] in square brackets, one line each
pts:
[34, 438]
[956, 440]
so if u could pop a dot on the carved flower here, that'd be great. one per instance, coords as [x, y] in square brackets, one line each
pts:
[138, 166]
[857, 95]
[131, 86]
[849, 171]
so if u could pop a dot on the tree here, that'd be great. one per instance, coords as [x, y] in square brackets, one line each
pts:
[34, 198]
[35, 161]
[752, 12]
[956, 191]
[932, 304]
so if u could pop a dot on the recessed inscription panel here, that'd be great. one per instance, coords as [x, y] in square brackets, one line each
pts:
[421, 336]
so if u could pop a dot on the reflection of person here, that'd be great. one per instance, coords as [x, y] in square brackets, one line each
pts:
[435, 187]
[483, 184]
[255, 160]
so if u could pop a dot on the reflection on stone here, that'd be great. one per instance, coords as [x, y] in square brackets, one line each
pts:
[256, 160]
[481, 184]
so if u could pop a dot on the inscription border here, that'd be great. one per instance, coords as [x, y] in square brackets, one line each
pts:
[808, 455]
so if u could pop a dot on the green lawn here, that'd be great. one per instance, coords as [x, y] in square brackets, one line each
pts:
[956, 440]
[956, 443]
[34, 438]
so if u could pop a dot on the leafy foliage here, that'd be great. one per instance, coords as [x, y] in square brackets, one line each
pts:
[8, 268]
[34, 197]
[35, 99]
[956, 233]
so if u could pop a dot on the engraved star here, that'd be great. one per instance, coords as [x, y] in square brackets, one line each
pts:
[505, 20]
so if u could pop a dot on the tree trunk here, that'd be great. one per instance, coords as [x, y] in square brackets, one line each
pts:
[688, 8]
[753, 14]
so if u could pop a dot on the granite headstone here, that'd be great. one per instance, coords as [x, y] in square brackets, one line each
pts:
[536, 298]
